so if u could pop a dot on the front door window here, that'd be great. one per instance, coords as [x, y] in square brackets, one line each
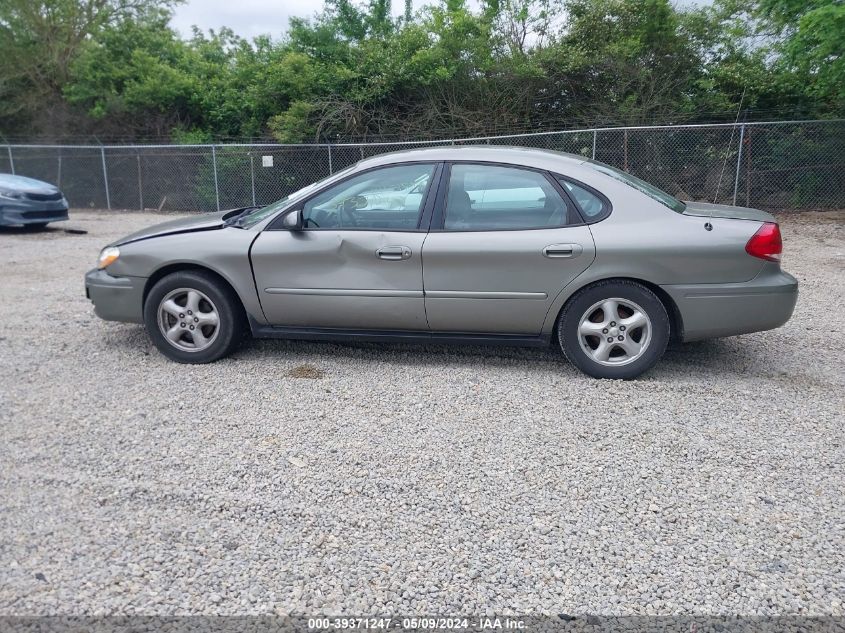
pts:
[387, 199]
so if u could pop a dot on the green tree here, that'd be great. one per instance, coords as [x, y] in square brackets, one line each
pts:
[625, 61]
[40, 40]
[133, 72]
[116, 68]
[811, 41]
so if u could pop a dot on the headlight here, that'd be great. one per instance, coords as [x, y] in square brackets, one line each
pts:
[10, 193]
[108, 256]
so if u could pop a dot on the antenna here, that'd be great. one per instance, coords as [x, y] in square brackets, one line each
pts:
[730, 142]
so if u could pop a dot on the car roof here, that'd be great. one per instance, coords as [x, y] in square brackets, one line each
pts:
[527, 156]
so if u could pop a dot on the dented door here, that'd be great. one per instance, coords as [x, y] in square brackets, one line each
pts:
[354, 279]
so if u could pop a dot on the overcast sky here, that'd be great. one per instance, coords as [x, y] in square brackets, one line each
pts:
[249, 18]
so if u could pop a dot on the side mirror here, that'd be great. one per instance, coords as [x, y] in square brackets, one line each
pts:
[293, 220]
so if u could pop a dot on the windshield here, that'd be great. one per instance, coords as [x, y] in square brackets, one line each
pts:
[257, 214]
[640, 185]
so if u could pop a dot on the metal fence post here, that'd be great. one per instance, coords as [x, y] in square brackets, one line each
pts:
[214, 163]
[252, 175]
[625, 151]
[11, 160]
[140, 182]
[329, 146]
[105, 177]
[595, 133]
[748, 171]
[59, 170]
[738, 161]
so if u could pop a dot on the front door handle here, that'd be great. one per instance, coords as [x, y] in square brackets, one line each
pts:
[394, 253]
[563, 250]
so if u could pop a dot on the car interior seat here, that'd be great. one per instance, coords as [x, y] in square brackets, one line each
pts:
[458, 207]
[558, 214]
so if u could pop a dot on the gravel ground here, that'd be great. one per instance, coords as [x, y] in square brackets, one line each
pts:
[319, 478]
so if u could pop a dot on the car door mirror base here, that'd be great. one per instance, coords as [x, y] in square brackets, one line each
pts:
[293, 220]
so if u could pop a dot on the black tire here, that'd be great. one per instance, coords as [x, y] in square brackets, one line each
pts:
[231, 321]
[577, 306]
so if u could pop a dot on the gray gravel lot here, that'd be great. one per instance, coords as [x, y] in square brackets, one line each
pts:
[307, 478]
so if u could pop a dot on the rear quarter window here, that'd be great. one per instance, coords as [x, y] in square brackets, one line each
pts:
[667, 200]
[592, 204]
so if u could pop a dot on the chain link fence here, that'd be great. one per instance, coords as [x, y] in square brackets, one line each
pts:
[780, 165]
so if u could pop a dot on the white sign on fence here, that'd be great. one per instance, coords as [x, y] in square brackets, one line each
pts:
[266, 161]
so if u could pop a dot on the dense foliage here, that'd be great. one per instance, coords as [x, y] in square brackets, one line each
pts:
[114, 69]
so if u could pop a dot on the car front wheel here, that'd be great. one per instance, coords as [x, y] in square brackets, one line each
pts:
[614, 329]
[193, 318]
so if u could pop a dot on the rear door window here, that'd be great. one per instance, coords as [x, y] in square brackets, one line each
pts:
[495, 198]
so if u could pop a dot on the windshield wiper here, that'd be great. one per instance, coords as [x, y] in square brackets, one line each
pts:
[235, 219]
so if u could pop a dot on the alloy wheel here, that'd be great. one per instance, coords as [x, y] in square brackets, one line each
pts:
[614, 332]
[188, 319]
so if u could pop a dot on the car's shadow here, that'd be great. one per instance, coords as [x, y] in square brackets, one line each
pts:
[717, 357]
[46, 231]
[405, 353]
[130, 337]
[28, 230]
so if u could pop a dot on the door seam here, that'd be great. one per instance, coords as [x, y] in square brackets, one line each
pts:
[422, 279]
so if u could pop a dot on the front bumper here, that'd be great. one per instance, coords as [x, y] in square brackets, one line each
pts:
[32, 212]
[116, 298]
[716, 310]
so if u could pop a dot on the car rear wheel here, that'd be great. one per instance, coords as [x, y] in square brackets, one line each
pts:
[193, 318]
[614, 329]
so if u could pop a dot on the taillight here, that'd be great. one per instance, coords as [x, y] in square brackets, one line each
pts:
[766, 243]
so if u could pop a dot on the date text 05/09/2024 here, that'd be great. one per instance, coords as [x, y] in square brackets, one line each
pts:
[417, 623]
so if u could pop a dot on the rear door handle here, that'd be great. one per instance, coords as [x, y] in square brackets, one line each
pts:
[563, 250]
[394, 253]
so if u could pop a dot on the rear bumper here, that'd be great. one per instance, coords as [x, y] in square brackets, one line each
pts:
[32, 212]
[116, 298]
[715, 310]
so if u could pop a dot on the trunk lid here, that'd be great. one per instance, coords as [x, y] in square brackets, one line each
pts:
[705, 209]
